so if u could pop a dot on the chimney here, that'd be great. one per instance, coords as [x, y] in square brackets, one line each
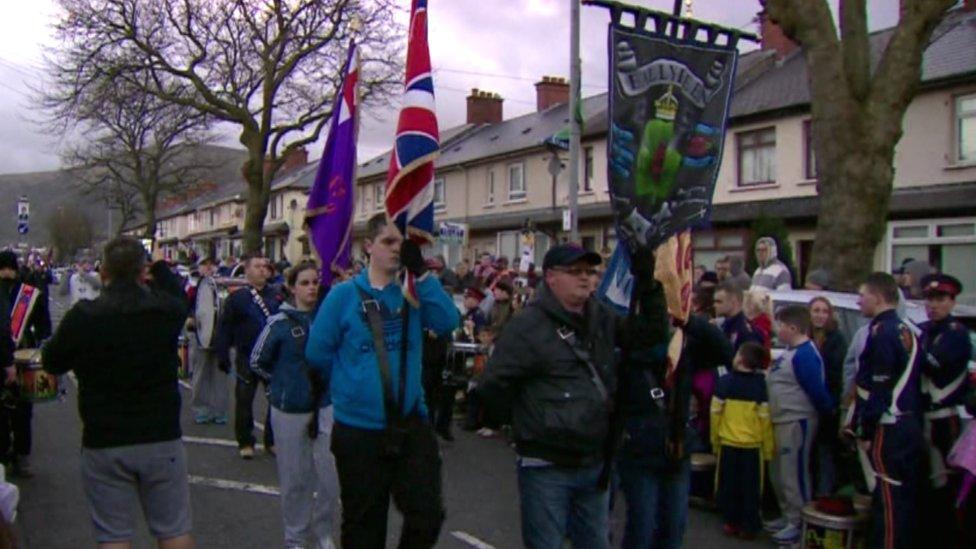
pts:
[296, 159]
[484, 107]
[773, 37]
[549, 91]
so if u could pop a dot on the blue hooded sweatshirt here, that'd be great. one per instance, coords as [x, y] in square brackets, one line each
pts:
[340, 344]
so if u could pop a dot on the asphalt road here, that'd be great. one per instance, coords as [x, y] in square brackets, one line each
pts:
[235, 503]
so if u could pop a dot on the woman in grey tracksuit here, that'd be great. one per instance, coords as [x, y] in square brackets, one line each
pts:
[301, 413]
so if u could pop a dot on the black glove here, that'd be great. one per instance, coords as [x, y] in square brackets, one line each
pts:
[412, 259]
[642, 264]
[223, 366]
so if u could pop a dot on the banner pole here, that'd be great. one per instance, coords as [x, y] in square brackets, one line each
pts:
[574, 107]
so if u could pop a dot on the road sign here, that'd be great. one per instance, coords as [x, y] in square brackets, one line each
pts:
[22, 228]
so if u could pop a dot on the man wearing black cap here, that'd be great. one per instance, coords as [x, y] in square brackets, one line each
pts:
[948, 349]
[29, 326]
[553, 368]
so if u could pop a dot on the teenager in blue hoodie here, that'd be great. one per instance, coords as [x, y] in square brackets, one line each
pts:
[301, 414]
[382, 441]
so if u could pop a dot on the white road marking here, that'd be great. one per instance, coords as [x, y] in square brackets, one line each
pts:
[225, 484]
[217, 442]
[471, 540]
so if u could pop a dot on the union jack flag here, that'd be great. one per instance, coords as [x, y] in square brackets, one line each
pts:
[410, 179]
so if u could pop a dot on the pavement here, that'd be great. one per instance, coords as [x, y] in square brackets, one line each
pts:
[235, 502]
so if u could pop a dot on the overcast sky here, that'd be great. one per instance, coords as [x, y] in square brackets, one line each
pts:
[502, 46]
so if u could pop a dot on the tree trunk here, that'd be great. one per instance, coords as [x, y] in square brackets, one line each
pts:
[855, 190]
[257, 196]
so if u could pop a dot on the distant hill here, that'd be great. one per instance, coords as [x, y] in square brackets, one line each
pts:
[47, 191]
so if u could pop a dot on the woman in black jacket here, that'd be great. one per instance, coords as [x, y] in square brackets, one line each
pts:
[833, 348]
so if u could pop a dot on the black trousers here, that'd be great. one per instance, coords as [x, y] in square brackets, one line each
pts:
[444, 413]
[739, 493]
[15, 424]
[367, 479]
[245, 387]
[944, 527]
[897, 453]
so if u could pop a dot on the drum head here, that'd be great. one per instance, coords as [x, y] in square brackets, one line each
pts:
[206, 312]
[28, 357]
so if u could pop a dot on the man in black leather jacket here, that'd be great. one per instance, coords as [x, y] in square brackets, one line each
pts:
[554, 368]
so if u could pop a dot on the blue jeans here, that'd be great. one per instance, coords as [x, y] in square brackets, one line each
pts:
[563, 502]
[657, 504]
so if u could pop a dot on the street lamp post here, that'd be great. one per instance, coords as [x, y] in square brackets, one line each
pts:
[574, 122]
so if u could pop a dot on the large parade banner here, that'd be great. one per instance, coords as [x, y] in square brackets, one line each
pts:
[669, 100]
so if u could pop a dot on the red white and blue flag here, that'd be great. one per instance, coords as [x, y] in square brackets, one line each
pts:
[329, 212]
[410, 179]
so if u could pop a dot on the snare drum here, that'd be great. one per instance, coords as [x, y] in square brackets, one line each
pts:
[824, 531]
[185, 371]
[702, 480]
[36, 385]
[460, 362]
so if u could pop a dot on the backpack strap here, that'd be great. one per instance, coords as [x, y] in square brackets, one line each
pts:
[372, 309]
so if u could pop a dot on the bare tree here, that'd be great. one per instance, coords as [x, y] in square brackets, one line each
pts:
[70, 229]
[270, 67]
[857, 118]
[135, 150]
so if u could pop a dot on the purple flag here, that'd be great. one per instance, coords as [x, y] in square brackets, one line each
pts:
[329, 213]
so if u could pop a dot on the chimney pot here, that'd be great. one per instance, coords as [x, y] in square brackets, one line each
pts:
[484, 107]
[773, 38]
[549, 91]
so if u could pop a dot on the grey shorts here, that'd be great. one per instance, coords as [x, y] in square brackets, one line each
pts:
[118, 481]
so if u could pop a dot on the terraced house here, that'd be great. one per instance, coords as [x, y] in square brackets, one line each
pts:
[499, 178]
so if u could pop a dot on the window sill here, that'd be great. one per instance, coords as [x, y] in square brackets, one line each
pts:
[489, 205]
[516, 201]
[587, 193]
[806, 182]
[960, 165]
[761, 187]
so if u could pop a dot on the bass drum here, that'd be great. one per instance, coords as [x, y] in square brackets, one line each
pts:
[207, 310]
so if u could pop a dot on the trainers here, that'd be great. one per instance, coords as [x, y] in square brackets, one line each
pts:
[220, 420]
[787, 535]
[201, 419]
[487, 433]
[775, 525]
[246, 452]
[270, 450]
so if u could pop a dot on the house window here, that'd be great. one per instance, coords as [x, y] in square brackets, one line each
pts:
[809, 158]
[274, 207]
[966, 128]
[490, 193]
[757, 157]
[516, 182]
[213, 217]
[948, 245]
[439, 194]
[378, 196]
[588, 170]
[364, 198]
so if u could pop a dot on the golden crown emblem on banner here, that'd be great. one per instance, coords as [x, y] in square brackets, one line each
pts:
[666, 106]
